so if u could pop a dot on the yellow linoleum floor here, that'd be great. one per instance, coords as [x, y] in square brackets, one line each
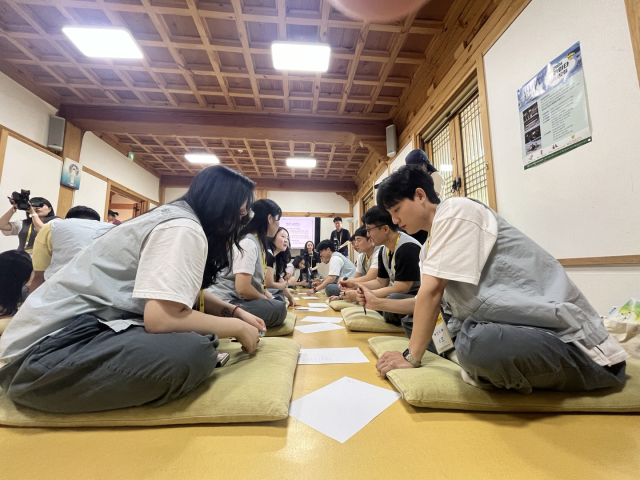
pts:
[402, 443]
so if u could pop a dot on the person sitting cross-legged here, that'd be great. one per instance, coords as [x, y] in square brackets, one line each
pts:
[339, 267]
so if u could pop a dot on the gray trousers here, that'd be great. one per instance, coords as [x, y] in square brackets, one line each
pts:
[87, 367]
[399, 318]
[523, 358]
[273, 311]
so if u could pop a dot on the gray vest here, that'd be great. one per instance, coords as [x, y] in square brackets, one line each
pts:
[225, 287]
[99, 281]
[362, 260]
[348, 268]
[522, 284]
[391, 267]
[69, 237]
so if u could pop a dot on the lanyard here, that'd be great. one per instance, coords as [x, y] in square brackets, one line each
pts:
[392, 266]
[264, 264]
[201, 306]
[367, 262]
[26, 244]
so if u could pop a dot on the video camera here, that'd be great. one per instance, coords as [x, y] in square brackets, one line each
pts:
[21, 200]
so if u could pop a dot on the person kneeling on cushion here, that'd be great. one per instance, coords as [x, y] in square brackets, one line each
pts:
[521, 323]
[339, 267]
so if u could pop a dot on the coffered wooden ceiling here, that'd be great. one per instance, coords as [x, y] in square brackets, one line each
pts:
[214, 56]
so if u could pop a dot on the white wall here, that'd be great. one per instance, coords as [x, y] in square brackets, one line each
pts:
[28, 168]
[583, 203]
[398, 161]
[23, 112]
[92, 193]
[106, 160]
[170, 194]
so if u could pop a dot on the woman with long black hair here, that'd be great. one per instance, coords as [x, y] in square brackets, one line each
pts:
[87, 339]
[26, 230]
[278, 257]
[311, 260]
[245, 283]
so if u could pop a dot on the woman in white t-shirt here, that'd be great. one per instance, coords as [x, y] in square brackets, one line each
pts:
[246, 282]
[87, 339]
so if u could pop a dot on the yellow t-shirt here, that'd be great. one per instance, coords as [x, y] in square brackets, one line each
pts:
[42, 249]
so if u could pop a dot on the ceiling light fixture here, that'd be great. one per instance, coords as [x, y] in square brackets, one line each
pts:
[300, 57]
[301, 162]
[201, 158]
[103, 42]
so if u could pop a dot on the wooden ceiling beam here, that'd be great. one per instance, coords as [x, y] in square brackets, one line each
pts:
[325, 9]
[248, 60]
[333, 151]
[157, 157]
[353, 67]
[275, 184]
[251, 156]
[225, 125]
[271, 158]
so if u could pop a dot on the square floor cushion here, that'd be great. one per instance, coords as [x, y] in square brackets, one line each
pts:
[339, 305]
[249, 388]
[357, 321]
[285, 329]
[438, 384]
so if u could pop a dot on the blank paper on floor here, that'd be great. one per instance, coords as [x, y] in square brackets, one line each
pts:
[312, 318]
[318, 327]
[342, 408]
[317, 310]
[318, 305]
[325, 356]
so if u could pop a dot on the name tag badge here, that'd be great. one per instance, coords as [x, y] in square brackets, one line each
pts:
[441, 337]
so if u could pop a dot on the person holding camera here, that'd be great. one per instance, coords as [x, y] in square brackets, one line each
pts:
[38, 211]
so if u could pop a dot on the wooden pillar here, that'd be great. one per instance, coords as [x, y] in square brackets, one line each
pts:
[71, 149]
[633, 14]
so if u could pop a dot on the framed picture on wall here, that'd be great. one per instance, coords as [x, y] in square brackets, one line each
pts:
[71, 172]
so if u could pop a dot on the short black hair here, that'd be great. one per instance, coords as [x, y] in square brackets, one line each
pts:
[296, 261]
[112, 213]
[83, 212]
[403, 184]
[324, 244]
[360, 232]
[337, 219]
[379, 216]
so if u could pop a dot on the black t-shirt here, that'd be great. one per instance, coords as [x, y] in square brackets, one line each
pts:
[407, 263]
[339, 238]
[421, 236]
[308, 262]
[271, 262]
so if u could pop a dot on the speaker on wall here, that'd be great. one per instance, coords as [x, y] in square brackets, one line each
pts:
[55, 141]
[392, 141]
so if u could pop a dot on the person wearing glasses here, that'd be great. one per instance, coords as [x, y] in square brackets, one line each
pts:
[398, 262]
[245, 283]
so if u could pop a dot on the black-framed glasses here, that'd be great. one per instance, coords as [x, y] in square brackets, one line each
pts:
[373, 228]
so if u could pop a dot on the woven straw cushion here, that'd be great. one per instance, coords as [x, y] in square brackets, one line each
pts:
[357, 321]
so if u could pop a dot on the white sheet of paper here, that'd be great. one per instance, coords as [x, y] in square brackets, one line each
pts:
[342, 408]
[318, 327]
[326, 356]
[309, 309]
[311, 318]
[318, 305]
[309, 298]
[296, 298]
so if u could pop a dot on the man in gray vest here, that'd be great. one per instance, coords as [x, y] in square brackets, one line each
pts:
[520, 322]
[339, 267]
[398, 262]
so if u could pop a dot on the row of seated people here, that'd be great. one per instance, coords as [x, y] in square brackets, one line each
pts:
[196, 269]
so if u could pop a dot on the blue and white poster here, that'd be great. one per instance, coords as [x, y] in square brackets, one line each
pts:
[554, 116]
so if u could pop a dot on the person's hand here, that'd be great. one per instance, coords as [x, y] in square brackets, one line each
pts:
[268, 294]
[248, 337]
[287, 277]
[316, 282]
[334, 298]
[251, 319]
[350, 295]
[347, 284]
[366, 298]
[13, 205]
[391, 361]
[293, 304]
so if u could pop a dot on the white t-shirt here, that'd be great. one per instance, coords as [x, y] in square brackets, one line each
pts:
[169, 273]
[462, 236]
[245, 261]
[335, 265]
[362, 259]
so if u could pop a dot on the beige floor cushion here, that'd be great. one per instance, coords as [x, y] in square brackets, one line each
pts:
[438, 384]
[285, 329]
[254, 388]
[356, 320]
[339, 305]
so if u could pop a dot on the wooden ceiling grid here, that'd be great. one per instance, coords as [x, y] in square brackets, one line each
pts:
[215, 55]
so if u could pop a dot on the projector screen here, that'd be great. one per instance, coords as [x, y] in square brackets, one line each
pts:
[301, 229]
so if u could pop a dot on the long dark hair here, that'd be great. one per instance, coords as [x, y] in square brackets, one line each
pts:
[259, 224]
[51, 213]
[216, 195]
[283, 258]
[16, 269]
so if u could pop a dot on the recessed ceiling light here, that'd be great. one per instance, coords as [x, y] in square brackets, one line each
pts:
[301, 162]
[103, 42]
[201, 158]
[300, 57]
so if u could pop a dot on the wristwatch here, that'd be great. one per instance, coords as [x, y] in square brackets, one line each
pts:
[407, 356]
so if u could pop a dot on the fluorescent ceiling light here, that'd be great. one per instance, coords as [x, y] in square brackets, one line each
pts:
[201, 158]
[300, 57]
[103, 42]
[301, 162]
[446, 168]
